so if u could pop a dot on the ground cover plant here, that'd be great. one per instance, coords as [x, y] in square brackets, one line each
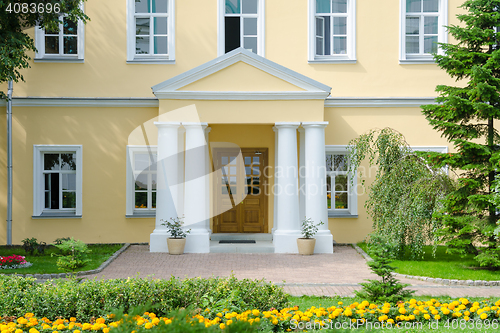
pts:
[47, 264]
[438, 263]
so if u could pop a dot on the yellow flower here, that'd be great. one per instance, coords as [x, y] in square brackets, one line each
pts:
[426, 316]
[483, 316]
[105, 330]
[148, 325]
[437, 317]
[33, 330]
[222, 326]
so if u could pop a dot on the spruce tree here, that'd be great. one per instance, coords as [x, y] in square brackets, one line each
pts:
[465, 115]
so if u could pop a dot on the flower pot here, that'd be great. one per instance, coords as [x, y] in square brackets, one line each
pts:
[306, 245]
[176, 245]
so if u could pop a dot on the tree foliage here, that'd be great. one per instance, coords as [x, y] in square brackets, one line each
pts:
[405, 191]
[465, 116]
[15, 43]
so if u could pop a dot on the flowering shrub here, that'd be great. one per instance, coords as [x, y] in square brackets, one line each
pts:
[430, 313]
[12, 261]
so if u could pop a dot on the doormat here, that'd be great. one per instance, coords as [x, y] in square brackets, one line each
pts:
[237, 241]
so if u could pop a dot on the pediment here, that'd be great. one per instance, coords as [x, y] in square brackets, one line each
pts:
[241, 75]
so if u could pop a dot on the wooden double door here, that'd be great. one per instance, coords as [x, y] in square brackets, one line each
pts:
[240, 186]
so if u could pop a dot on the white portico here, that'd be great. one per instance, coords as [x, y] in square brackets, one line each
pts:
[191, 171]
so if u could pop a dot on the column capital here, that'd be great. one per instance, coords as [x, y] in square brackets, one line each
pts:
[169, 124]
[310, 124]
[193, 125]
[287, 125]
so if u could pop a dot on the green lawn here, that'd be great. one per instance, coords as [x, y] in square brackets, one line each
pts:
[46, 264]
[443, 265]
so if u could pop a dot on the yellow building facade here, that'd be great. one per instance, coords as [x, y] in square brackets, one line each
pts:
[235, 114]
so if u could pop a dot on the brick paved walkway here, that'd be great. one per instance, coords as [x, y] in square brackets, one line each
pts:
[322, 274]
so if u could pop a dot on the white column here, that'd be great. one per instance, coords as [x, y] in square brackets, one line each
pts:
[285, 236]
[302, 163]
[275, 208]
[180, 172]
[207, 178]
[195, 189]
[167, 180]
[315, 183]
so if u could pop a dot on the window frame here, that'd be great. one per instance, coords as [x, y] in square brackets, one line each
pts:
[39, 209]
[350, 56]
[134, 58]
[422, 58]
[131, 211]
[41, 56]
[261, 18]
[352, 210]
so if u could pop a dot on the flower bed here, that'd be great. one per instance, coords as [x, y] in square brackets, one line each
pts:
[13, 261]
[460, 313]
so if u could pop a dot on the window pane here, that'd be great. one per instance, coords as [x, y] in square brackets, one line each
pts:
[153, 181]
[153, 199]
[69, 27]
[319, 46]
[412, 44]
[248, 170]
[232, 170]
[47, 181]
[323, 6]
[68, 182]
[431, 6]
[70, 45]
[142, 45]
[232, 33]
[141, 162]
[69, 200]
[160, 25]
[161, 45]
[141, 200]
[54, 193]
[160, 6]
[142, 26]
[51, 161]
[250, 43]
[256, 160]
[249, 6]
[68, 161]
[431, 25]
[341, 201]
[142, 6]
[430, 44]
[320, 29]
[339, 45]
[413, 6]
[341, 183]
[141, 181]
[51, 45]
[232, 180]
[412, 25]
[339, 6]
[250, 26]
[248, 160]
[225, 160]
[153, 161]
[233, 7]
[340, 25]
[47, 199]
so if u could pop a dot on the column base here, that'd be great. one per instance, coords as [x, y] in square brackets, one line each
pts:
[158, 242]
[197, 242]
[286, 241]
[324, 242]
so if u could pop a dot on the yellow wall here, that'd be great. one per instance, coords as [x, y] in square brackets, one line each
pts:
[103, 133]
[105, 72]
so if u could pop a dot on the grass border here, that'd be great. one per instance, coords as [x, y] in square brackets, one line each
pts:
[446, 282]
[82, 273]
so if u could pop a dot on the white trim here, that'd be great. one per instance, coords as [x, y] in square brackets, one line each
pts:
[133, 58]
[261, 32]
[83, 102]
[352, 195]
[241, 96]
[436, 149]
[382, 102]
[130, 181]
[38, 188]
[350, 57]
[442, 35]
[169, 88]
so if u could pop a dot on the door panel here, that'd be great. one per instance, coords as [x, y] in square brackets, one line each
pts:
[240, 191]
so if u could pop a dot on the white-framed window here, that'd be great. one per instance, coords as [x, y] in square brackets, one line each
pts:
[341, 193]
[423, 26]
[332, 31]
[141, 180]
[241, 24]
[64, 44]
[150, 31]
[57, 180]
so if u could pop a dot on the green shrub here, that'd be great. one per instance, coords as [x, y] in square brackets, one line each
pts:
[73, 254]
[94, 298]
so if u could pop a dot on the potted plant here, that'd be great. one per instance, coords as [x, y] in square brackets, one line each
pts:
[177, 240]
[307, 242]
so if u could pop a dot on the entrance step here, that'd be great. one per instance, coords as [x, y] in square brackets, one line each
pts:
[260, 246]
[226, 236]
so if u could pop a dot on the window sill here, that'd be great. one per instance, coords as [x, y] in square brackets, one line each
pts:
[417, 61]
[141, 215]
[151, 61]
[342, 216]
[57, 216]
[72, 60]
[332, 61]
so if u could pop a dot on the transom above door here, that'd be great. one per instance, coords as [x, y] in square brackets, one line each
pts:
[240, 187]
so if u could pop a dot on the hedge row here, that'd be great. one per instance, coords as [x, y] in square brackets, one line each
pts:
[94, 298]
